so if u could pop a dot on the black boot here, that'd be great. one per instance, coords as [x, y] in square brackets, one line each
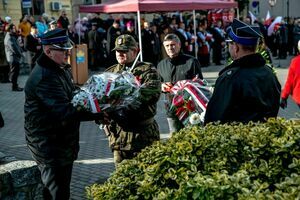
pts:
[17, 89]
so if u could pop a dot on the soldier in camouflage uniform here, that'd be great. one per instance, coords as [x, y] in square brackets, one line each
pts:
[133, 128]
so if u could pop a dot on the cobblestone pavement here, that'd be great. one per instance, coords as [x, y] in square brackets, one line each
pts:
[95, 162]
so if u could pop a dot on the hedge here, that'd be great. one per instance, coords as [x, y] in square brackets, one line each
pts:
[236, 161]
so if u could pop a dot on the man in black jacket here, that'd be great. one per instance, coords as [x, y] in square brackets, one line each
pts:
[246, 90]
[13, 54]
[33, 45]
[51, 122]
[176, 67]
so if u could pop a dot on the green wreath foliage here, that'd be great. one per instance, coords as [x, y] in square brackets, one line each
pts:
[236, 161]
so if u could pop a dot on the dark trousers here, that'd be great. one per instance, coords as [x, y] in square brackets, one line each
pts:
[56, 181]
[14, 73]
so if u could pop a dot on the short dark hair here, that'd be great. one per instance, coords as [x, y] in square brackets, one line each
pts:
[172, 37]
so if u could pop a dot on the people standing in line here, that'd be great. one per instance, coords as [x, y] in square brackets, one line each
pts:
[176, 67]
[247, 89]
[133, 128]
[292, 84]
[51, 122]
[13, 54]
[63, 21]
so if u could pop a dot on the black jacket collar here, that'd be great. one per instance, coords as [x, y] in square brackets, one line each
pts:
[249, 61]
[45, 61]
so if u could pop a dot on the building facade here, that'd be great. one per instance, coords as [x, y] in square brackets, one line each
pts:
[16, 8]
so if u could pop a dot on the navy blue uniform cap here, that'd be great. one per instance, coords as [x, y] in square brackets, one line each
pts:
[57, 38]
[244, 34]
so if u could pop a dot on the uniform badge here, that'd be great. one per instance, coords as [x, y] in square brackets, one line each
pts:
[229, 73]
[120, 40]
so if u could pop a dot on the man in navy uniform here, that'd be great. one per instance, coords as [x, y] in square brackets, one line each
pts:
[51, 122]
[247, 89]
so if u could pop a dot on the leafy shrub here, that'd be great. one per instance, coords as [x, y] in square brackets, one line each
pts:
[253, 161]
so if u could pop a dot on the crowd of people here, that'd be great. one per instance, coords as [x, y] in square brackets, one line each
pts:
[247, 89]
[208, 45]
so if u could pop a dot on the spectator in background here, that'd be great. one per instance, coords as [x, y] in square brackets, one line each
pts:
[181, 33]
[283, 40]
[46, 18]
[13, 55]
[204, 39]
[130, 30]
[93, 45]
[7, 21]
[296, 34]
[156, 46]
[72, 34]
[41, 26]
[52, 24]
[292, 84]
[166, 29]
[63, 21]
[32, 44]
[290, 45]
[112, 33]
[147, 42]
[4, 70]
[24, 26]
[218, 43]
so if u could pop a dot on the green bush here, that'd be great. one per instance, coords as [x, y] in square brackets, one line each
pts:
[253, 161]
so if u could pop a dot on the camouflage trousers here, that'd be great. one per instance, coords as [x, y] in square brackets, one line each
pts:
[127, 144]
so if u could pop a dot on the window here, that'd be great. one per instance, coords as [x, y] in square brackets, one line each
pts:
[37, 7]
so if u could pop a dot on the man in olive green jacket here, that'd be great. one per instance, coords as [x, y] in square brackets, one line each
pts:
[133, 128]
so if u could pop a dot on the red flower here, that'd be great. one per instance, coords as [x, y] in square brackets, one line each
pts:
[190, 105]
[178, 101]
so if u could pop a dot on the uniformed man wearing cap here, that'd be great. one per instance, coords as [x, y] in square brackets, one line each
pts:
[51, 122]
[132, 129]
[247, 89]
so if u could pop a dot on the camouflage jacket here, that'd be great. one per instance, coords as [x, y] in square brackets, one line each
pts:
[134, 127]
